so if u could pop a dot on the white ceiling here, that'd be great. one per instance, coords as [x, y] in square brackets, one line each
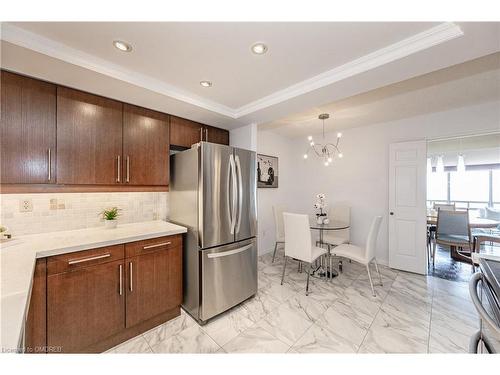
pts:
[183, 54]
[469, 83]
[308, 64]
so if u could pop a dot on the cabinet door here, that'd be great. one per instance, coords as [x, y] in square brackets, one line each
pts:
[89, 138]
[85, 306]
[184, 133]
[28, 130]
[145, 146]
[154, 284]
[216, 135]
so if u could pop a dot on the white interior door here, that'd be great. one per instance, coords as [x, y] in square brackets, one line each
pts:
[407, 207]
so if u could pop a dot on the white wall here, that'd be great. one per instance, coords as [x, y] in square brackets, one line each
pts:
[270, 143]
[244, 137]
[361, 177]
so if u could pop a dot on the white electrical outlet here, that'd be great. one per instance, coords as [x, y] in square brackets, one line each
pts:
[25, 205]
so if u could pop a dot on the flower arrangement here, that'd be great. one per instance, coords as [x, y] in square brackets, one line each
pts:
[320, 205]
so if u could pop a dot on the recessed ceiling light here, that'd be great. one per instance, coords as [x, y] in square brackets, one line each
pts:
[122, 46]
[259, 48]
[206, 83]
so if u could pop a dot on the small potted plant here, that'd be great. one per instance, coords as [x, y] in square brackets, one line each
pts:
[321, 205]
[110, 216]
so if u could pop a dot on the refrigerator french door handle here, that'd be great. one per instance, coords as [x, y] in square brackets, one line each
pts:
[233, 191]
[240, 193]
[229, 174]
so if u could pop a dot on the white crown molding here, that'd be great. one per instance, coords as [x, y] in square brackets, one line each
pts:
[49, 47]
[416, 43]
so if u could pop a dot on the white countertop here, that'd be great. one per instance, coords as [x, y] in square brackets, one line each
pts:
[17, 259]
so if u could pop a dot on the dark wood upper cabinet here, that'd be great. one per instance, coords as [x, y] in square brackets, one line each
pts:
[145, 146]
[154, 284]
[184, 133]
[89, 138]
[28, 130]
[216, 135]
[85, 306]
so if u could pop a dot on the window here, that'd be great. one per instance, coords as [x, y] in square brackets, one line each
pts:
[437, 187]
[470, 186]
[496, 187]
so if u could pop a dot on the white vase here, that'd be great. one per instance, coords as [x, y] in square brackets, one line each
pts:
[110, 224]
[319, 220]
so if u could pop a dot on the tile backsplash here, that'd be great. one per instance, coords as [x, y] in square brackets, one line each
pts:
[50, 212]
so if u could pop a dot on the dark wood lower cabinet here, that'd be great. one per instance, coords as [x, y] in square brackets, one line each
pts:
[92, 300]
[36, 324]
[154, 284]
[84, 307]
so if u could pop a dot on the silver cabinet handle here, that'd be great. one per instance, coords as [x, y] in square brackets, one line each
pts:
[49, 152]
[128, 168]
[240, 193]
[156, 245]
[230, 252]
[130, 271]
[121, 280]
[118, 168]
[206, 134]
[81, 260]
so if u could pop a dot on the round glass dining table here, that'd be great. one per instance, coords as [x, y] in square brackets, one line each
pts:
[332, 225]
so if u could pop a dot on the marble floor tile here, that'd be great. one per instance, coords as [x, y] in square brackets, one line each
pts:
[345, 322]
[190, 340]
[390, 333]
[259, 306]
[278, 292]
[306, 306]
[285, 324]
[227, 326]
[401, 304]
[256, 340]
[136, 345]
[451, 332]
[169, 329]
[319, 339]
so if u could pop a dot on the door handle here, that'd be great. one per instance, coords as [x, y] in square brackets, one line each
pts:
[121, 279]
[240, 193]
[156, 245]
[82, 260]
[131, 284]
[391, 213]
[230, 252]
[234, 192]
[118, 168]
[49, 177]
[128, 168]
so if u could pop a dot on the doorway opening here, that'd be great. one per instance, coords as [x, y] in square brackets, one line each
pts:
[463, 202]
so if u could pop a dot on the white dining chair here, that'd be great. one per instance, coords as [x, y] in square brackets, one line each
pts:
[299, 244]
[279, 228]
[364, 255]
[341, 213]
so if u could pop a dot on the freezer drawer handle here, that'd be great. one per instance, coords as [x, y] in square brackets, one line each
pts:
[156, 245]
[230, 252]
[477, 302]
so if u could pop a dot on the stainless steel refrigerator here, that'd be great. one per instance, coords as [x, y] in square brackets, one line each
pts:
[213, 194]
